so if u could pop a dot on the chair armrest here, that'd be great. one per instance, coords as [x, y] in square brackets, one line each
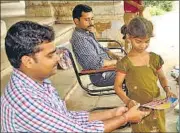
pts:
[103, 69]
[103, 39]
[108, 40]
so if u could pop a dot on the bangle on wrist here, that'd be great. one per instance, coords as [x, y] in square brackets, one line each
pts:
[128, 102]
[167, 87]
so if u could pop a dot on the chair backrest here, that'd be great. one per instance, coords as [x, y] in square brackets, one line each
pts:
[77, 65]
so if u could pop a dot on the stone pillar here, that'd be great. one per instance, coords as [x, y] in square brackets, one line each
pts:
[12, 8]
[6, 68]
[3, 28]
[104, 11]
[4, 60]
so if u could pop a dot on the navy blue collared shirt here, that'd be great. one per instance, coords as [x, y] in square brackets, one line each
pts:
[89, 53]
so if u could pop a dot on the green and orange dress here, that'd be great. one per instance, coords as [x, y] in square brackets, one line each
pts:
[141, 82]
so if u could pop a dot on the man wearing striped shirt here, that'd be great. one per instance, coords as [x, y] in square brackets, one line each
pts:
[31, 104]
[87, 50]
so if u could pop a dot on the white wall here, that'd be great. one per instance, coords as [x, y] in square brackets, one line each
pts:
[10, 9]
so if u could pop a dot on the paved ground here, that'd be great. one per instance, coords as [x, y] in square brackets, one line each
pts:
[166, 40]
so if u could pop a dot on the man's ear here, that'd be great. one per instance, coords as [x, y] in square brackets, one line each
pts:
[76, 21]
[27, 61]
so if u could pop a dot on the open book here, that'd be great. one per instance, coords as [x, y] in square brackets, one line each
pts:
[161, 103]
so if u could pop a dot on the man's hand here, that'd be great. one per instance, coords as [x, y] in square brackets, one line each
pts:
[120, 110]
[92, 29]
[109, 62]
[135, 115]
[113, 55]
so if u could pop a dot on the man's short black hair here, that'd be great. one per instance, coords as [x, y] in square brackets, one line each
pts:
[23, 38]
[77, 11]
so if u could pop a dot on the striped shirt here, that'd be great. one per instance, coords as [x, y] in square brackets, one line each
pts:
[27, 106]
[89, 53]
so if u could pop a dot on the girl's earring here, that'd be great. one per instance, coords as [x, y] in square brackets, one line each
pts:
[127, 38]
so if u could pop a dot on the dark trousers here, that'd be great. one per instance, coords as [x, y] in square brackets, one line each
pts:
[102, 80]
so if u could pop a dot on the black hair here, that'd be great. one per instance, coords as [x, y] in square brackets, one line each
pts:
[138, 27]
[23, 38]
[77, 11]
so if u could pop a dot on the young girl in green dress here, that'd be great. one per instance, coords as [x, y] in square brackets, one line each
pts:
[141, 70]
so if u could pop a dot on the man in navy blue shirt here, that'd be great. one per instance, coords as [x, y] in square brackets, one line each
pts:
[87, 50]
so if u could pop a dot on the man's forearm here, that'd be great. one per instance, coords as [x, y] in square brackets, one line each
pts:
[114, 123]
[110, 123]
[109, 62]
[103, 115]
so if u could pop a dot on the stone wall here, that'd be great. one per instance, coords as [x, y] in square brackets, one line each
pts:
[5, 65]
[103, 10]
[39, 9]
[108, 13]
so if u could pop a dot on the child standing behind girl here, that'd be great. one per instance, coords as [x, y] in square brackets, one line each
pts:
[141, 70]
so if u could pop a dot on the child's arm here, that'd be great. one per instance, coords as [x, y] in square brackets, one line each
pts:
[119, 91]
[164, 83]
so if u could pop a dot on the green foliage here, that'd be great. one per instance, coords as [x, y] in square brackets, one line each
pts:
[154, 11]
[158, 7]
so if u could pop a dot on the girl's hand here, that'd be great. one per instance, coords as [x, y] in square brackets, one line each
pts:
[132, 103]
[135, 115]
[170, 94]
